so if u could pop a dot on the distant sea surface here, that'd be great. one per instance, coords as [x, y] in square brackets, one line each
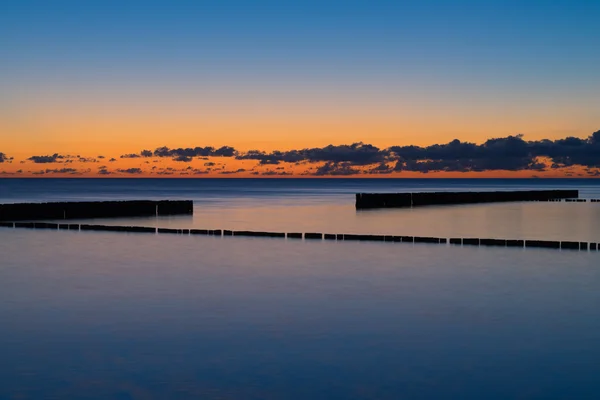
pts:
[101, 315]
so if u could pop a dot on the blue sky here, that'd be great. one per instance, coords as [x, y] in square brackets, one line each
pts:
[276, 74]
[517, 40]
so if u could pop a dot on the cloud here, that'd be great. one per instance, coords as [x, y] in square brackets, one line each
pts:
[232, 172]
[225, 151]
[143, 153]
[46, 159]
[333, 168]
[86, 159]
[356, 153]
[267, 162]
[571, 150]
[71, 171]
[273, 173]
[100, 157]
[132, 171]
[510, 153]
[104, 172]
[382, 168]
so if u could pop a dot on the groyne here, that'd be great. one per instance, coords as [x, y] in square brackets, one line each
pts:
[94, 209]
[399, 200]
[316, 236]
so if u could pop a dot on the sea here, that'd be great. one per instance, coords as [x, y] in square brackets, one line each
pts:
[112, 315]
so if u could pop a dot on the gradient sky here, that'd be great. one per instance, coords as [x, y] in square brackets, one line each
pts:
[109, 78]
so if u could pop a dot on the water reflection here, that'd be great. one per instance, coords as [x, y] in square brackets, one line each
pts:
[98, 315]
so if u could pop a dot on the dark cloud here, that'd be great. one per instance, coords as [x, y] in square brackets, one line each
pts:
[571, 150]
[333, 168]
[132, 171]
[104, 172]
[232, 172]
[46, 159]
[190, 152]
[86, 159]
[267, 162]
[356, 154]
[71, 171]
[510, 153]
[100, 157]
[143, 153]
[274, 173]
[112, 160]
[382, 168]
[4, 158]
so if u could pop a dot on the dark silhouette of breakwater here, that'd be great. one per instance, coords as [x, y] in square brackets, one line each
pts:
[480, 242]
[394, 200]
[94, 209]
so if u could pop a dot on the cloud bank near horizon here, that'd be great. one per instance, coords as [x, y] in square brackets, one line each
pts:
[510, 153]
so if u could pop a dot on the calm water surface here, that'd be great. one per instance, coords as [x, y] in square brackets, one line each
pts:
[327, 205]
[95, 315]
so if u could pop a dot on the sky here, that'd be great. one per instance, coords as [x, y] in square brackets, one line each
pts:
[278, 83]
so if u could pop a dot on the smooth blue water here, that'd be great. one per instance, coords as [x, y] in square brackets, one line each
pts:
[211, 190]
[93, 315]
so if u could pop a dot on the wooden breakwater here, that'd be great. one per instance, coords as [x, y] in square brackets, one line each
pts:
[393, 200]
[94, 209]
[312, 236]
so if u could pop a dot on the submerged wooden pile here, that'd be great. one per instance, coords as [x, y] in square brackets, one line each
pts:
[394, 200]
[93, 209]
[18, 215]
[515, 243]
